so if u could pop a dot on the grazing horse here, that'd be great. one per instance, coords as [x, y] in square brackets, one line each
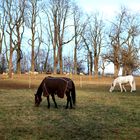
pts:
[59, 86]
[121, 80]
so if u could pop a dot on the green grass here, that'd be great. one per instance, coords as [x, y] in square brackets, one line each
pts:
[98, 115]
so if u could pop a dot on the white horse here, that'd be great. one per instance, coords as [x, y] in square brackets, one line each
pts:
[121, 80]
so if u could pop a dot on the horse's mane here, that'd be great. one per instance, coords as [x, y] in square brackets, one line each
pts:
[40, 89]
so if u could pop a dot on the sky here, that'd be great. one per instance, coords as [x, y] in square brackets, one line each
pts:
[108, 7]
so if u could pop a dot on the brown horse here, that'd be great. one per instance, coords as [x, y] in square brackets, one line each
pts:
[59, 86]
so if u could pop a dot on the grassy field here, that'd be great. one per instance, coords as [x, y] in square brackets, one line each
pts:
[99, 115]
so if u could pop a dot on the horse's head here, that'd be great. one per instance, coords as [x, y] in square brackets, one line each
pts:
[38, 99]
[111, 88]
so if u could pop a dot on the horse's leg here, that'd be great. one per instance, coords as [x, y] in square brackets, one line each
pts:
[134, 85]
[54, 100]
[48, 99]
[68, 100]
[124, 88]
[131, 85]
[121, 87]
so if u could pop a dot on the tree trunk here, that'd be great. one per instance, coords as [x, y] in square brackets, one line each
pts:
[55, 61]
[103, 69]
[75, 60]
[60, 60]
[18, 62]
[33, 53]
[46, 62]
[10, 64]
[0, 43]
[18, 50]
[18, 56]
[54, 45]
[116, 69]
[90, 63]
[10, 58]
[95, 66]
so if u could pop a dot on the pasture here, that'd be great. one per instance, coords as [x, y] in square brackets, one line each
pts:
[98, 115]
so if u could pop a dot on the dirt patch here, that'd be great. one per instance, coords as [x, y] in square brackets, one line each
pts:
[16, 84]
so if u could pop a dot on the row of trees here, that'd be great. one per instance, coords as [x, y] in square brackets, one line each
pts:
[34, 34]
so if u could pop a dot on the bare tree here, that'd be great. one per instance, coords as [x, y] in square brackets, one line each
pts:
[103, 63]
[68, 64]
[13, 13]
[97, 35]
[79, 27]
[129, 52]
[94, 40]
[9, 7]
[62, 16]
[89, 53]
[1, 35]
[122, 37]
[2, 30]
[25, 62]
[130, 61]
[51, 27]
[32, 14]
[47, 42]
[2, 25]
[57, 15]
[46, 63]
[19, 21]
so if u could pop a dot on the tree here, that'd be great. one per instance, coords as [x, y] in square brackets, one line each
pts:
[130, 60]
[97, 35]
[19, 21]
[57, 14]
[46, 63]
[79, 27]
[13, 13]
[122, 37]
[9, 7]
[103, 64]
[32, 13]
[3, 64]
[2, 28]
[68, 64]
[89, 53]
[94, 39]
[129, 52]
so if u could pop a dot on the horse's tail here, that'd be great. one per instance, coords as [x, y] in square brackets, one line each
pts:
[73, 93]
[134, 85]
